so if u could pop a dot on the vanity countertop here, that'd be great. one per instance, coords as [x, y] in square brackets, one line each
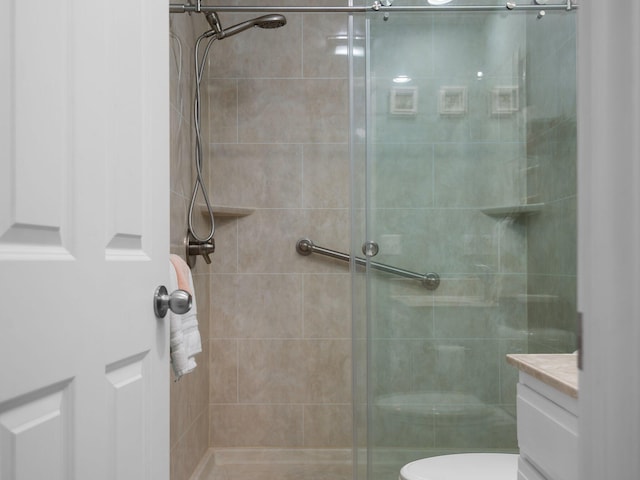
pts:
[558, 370]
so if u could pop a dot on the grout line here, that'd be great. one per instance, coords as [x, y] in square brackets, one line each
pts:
[237, 342]
[204, 461]
[302, 199]
[301, 313]
[302, 18]
[237, 246]
[237, 111]
[190, 427]
[303, 432]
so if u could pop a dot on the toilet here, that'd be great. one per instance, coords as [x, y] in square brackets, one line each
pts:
[463, 466]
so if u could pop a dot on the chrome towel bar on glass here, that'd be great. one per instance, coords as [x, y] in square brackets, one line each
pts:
[430, 281]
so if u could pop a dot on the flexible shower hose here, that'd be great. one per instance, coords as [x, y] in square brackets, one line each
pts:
[199, 183]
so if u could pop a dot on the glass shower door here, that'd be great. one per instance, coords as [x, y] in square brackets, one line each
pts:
[470, 161]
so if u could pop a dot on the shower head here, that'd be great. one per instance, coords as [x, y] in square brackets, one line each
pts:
[270, 21]
[265, 21]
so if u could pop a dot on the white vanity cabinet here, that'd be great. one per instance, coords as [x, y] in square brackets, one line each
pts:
[547, 410]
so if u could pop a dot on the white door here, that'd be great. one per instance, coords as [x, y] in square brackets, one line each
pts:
[609, 238]
[83, 239]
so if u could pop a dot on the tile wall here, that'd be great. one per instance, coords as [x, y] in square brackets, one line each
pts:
[279, 348]
[190, 395]
[440, 382]
[280, 335]
[551, 157]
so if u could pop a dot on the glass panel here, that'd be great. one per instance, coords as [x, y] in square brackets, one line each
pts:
[357, 126]
[471, 154]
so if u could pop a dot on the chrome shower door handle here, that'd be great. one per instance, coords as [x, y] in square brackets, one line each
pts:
[179, 301]
[370, 248]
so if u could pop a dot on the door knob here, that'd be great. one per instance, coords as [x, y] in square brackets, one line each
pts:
[178, 302]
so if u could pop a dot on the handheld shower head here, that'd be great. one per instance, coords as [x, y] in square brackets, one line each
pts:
[270, 21]
[265, 21]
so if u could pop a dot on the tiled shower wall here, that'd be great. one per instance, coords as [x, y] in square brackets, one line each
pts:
[190, 395]
[435, 172]
[551, 158]
[277, 135]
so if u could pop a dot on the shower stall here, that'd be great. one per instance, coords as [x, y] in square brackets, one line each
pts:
[459, 162]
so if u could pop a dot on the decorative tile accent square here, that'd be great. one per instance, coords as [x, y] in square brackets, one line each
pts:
[403, 100]
[452, 101]
[504, 100]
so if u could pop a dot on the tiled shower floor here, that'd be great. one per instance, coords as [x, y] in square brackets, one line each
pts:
[275, 464]
[303, 464]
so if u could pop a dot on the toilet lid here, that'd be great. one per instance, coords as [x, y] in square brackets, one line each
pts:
[464, 466]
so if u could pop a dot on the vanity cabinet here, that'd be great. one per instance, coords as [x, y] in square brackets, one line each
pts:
[547, 416]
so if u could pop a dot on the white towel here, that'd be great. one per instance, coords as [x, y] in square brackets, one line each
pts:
[184, 337]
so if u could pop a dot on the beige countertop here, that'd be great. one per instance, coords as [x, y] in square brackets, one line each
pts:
[559, 370]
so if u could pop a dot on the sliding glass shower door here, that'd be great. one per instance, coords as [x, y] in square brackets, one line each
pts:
[464, 166]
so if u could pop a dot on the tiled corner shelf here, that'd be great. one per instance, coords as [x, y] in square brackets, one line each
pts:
[227, 211]
[513, 211]
[535, 298]
[443, 301]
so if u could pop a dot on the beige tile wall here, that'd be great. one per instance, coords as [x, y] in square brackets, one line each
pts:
[190, 396]
[280, 335]
[277, 364]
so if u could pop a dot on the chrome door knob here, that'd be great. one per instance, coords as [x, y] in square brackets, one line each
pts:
[178, 302]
